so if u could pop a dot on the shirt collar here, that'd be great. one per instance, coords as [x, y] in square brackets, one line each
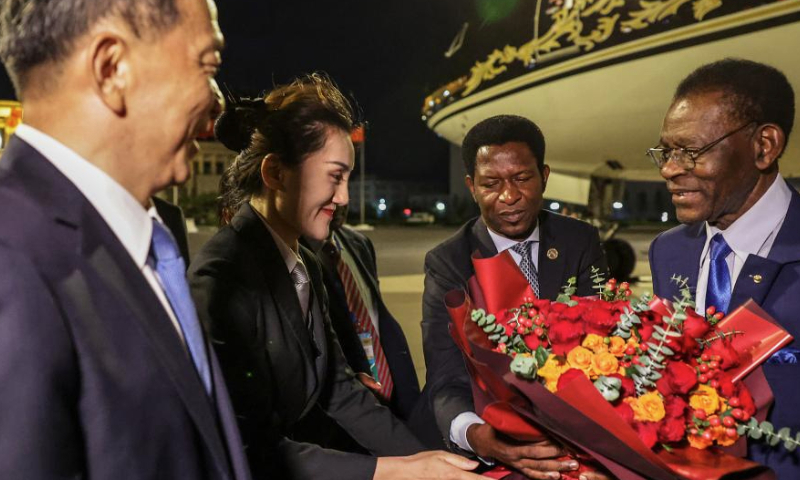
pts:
[126, 217]
[290, 258]
[502, 243]
[748, 233]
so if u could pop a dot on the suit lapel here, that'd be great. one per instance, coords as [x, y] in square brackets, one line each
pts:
[481, 241]
[319, 320]
[283, 297]
[758, 274]
[683, 259]
[108, 260]
[551, 270]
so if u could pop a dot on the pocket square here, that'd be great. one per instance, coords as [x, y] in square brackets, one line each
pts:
[784, 356]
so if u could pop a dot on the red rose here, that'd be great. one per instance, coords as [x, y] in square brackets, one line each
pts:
[568, 376]
[565, 336]
[625, 412]
[558, 307]
[663, 386]
[645, 331]
[532, 341]
[600, 318]
[671, 430]
[747, 403]
[648, 432]
[695, 326]
[729, 357]
[682, 377]
[575, 313]
[628, 389]
[675, 407]
[726, 386]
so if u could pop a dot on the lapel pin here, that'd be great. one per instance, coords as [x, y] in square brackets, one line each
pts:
[757, 278]
[552, 254]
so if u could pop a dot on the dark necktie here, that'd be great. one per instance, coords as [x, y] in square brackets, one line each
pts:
[362, 320]
[718, 292]
[172, 272]
[526, 264]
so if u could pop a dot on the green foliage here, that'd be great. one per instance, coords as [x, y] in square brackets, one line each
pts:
[765, 431]
[647, 372]
[568, 291]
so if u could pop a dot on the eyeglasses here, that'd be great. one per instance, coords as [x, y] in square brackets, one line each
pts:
[686, 158]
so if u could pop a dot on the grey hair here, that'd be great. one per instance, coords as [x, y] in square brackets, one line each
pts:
[38, 32]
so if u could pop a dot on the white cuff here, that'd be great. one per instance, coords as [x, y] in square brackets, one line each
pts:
[459, 427]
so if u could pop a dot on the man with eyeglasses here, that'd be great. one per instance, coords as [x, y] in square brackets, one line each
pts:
[721, 140]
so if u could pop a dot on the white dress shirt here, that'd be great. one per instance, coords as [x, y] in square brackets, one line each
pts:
[751, 234]
[125, 216]
[462, 422]
[291, 259]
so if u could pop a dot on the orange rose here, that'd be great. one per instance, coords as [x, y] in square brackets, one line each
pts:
[705, 398]
[647, 408]
[604, 363]
[721, 436]
[595, 343]
[551, 371]
[580, 358]
[617, 346]
[697, 441]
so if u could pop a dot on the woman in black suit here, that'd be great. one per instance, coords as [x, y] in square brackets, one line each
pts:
[261, 296]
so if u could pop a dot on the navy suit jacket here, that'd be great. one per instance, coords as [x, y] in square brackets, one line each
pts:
[449, 267]
[677, 252]
[393, 341]
[95, 380]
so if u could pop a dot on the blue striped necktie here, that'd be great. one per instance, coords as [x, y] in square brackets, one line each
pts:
[172, 272]
[718, 292]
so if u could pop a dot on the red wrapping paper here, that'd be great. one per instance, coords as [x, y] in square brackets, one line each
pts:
[577, 414]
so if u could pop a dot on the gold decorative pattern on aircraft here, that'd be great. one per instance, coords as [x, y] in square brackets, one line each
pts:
[567, 31]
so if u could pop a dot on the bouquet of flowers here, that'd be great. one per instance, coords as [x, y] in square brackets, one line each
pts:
[658, 387]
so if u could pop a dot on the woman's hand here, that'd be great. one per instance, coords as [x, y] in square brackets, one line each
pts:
[435, 465]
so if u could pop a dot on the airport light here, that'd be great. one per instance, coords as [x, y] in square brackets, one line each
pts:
[555, 206]
[664, 217]
[617, 205]
[382, 207]
[440, 206]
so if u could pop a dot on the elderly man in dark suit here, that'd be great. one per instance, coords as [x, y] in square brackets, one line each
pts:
[506, 174]
[720, 143]
[106, 372]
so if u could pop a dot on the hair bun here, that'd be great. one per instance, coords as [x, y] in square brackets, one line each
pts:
[236, 125]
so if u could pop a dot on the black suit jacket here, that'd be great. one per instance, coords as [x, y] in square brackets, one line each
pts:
[96, 382]
[277, 371]
[172, 215]
[449, 267]
[677, 252]
[393, 341]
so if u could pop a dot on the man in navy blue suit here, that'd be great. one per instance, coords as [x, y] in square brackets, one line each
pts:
[720, 146]
[105, 370]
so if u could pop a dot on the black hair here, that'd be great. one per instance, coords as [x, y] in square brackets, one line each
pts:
[753, 91]
[36, 32]
[290, 122]
[502, 129]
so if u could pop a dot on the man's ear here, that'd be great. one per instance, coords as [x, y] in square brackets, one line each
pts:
[272, 172]
[470, 186]
[545, 176]
[111, 73]
[769, 145]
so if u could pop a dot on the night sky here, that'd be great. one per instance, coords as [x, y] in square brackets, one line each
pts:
[387, 55]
